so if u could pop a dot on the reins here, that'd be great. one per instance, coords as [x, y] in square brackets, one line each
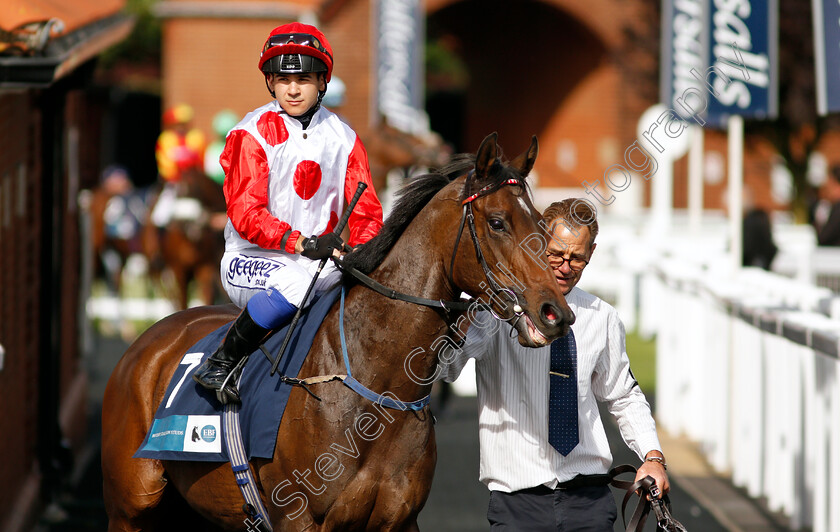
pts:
[390, 293]
[388, 400]
[650, 498]
[461, 305]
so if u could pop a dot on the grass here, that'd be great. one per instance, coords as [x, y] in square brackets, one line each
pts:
[642, 355]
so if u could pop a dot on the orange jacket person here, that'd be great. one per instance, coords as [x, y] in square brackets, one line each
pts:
[179, 148]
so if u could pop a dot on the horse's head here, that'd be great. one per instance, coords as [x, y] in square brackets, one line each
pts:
[505, 270]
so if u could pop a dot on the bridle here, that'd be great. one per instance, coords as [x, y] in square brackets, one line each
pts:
[447, 306]
[468, 219]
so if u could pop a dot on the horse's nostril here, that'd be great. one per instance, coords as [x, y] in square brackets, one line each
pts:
[553, 316]
[550, 314]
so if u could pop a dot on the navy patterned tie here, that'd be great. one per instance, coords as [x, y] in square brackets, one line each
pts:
[562, 395]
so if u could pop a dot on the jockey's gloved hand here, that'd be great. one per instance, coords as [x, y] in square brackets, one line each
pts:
[321, 247]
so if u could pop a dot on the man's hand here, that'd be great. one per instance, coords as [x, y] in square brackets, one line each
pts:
[656, 470]
[322, 247]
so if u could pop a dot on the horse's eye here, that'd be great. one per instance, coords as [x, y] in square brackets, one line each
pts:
[496, 224]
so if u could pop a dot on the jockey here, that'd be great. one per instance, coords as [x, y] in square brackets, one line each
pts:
[291, 167]
[179, 147]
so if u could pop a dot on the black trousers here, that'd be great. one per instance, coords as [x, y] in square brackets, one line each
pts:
[540, 509]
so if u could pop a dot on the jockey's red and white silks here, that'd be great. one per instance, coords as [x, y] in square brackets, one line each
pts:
[282, 181]
[280, 177]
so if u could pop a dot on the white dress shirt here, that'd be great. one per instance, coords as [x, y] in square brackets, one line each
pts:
[513, 383]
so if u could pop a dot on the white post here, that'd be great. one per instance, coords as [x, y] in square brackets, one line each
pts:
[695, 180]
[736, 188]
[666, 149]
[662, 197]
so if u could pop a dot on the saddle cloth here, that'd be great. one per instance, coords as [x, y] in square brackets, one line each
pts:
[187, 424]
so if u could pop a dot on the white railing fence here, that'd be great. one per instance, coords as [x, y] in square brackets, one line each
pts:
[747, 360]
[754, 380]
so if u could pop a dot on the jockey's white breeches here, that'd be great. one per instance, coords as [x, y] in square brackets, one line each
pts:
[246, 272]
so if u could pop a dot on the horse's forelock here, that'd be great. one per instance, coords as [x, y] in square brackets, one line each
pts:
[500, 173]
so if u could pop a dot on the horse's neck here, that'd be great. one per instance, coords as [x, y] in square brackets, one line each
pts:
[400, 339]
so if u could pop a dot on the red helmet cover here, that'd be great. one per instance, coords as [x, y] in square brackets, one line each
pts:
[269, 51]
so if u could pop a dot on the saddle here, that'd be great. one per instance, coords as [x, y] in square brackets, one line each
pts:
[650, 498]
[188, 409]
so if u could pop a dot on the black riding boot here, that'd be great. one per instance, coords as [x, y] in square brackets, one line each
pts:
[243, 337]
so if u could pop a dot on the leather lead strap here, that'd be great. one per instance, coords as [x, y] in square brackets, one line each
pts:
[661, 505]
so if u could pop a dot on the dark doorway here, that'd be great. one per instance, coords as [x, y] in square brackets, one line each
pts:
[131, 133]
[506, 67]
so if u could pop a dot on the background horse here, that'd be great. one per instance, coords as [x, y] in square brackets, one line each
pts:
[191, 244]
[373, 467]
[389, 148]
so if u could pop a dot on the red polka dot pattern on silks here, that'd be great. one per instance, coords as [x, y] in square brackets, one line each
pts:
[307, 179]
[272, 128]
[331, 225]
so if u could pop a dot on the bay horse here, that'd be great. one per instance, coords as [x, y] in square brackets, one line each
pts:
[190, 246]
[372, 467]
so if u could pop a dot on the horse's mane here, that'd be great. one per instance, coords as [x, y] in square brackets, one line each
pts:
[410, 201]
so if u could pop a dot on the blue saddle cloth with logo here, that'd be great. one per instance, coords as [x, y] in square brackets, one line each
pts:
[187, 424]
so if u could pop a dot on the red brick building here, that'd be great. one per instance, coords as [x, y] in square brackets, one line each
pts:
[565, 70]
[211, 49]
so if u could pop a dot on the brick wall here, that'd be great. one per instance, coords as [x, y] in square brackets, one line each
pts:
[211, 64]
[350, 31]
[561, 69]
[536, 69]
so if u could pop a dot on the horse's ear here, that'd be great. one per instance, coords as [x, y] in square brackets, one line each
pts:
[525, 162]
[486, 155]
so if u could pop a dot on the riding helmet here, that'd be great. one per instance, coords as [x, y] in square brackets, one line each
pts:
[296, 49]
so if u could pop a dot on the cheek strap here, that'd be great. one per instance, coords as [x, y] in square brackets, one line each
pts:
[267, 86]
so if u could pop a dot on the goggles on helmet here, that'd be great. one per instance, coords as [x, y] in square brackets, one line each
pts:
[301, 39]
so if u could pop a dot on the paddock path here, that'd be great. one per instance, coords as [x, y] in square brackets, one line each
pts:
[458, 502]
[701, 501]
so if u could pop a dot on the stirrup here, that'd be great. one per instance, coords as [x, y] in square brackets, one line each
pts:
[228, 392]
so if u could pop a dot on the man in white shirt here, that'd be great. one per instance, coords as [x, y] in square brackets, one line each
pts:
[534, 487]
